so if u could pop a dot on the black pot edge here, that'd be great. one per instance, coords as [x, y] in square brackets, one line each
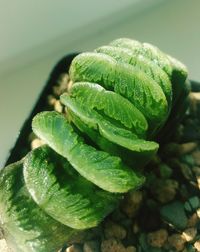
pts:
[62, 66]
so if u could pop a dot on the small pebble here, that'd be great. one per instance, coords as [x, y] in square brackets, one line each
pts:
[192, 221]
[177, 241]
[113, 230]
[63, 82]
[70, 83]
[189, 234]
[194, 184]
[136, 227]
[131, 249]
[143, 242]
[58, 107]
[132, 203]
[157, 238]
[57, 91]
[165, 171]
[194, 202]
[198, 181]
[74, 248]
[188, 159]
[198, 213]
[51, 100]
[187, 148]
[91, 246]
[186, 171]
[36, 143]
[187, 206]
[196, 170]
[175, 215]
[164, 190]
[196, 156]
[195, 102]
[197, 245]
[112, 245]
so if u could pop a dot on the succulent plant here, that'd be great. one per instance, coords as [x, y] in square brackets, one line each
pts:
[121, 98]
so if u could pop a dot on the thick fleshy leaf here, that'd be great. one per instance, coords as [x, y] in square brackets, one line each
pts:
[176, 71]
[126, 80]
[113, 107]
[156, 55]
[128, 56]
[62, 193]
[106, 171]
[27, 227]
[147, 50]
[134, 158]
[107, 129]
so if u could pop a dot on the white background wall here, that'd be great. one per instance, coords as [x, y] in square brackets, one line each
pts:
[28, 54]
[26, 23]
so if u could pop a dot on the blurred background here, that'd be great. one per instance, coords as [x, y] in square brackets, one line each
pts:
[36, 34]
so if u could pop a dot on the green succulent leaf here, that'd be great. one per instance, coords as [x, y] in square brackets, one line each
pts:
[176, 71]
[107, 129]
[137, 158]
[106, 171]
[128, 81]
[62, 193]
[26, 226]
[128, 56]
[149, 51]
[113, 107]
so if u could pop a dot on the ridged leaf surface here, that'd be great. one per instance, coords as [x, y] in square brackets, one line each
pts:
[111, 106]
[128, 56]
[26, 226]
[107, 129]
[61, 192]
[128, 81]
[147, 50]
[106, 171]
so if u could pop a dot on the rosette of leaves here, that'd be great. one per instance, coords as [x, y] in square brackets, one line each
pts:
[121, 97]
